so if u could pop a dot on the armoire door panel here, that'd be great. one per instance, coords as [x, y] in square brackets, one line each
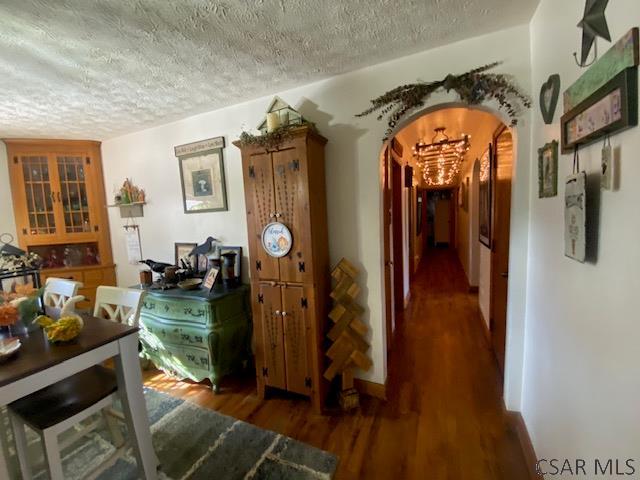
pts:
[261, 209]
[272, 342]
[296, 322]
[292, 207]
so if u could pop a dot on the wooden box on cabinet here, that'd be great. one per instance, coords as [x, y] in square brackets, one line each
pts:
[289, 294]
[60, 209]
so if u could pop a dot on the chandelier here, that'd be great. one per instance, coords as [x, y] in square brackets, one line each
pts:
[441, 159]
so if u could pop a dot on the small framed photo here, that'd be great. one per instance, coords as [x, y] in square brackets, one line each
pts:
[182, 251]
[210, 279]
[548, 170]
[202, 176]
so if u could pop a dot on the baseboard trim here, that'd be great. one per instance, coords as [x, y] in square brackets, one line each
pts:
[377, 390]
[517, 423]
[485, 328]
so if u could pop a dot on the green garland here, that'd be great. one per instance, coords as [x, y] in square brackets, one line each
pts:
[274, 138]
[473, 87]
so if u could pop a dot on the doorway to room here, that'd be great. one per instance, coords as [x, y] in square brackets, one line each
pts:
[447, 193]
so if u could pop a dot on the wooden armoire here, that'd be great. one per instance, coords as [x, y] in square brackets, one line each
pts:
[286, 184]
[60, 210]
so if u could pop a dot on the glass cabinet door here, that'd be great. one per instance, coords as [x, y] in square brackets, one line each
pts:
[39, 195]
[73, 193]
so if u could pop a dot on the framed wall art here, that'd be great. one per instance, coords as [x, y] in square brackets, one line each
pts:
[485, 187]
[182, 251]
[610, 109]
[202, 176]
[548, 170]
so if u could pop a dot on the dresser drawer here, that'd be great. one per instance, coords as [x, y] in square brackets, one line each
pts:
[178, 334]
[182, 310]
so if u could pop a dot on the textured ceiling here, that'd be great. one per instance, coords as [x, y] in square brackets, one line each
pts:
[100, 68]
[458, 121]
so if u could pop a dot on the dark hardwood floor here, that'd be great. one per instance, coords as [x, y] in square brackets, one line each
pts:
[444, 418]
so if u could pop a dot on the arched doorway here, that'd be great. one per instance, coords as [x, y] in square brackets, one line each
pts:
[410, 219]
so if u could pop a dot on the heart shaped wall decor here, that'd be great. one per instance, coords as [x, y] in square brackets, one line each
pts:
[549, 97]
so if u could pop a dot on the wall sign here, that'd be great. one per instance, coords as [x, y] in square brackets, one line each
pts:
[611, 109]
[575, 218]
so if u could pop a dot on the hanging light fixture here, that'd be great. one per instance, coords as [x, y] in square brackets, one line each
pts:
[441, 159]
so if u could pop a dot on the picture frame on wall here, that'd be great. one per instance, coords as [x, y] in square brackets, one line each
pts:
[182, 251]
[202, 176]
[548, 170]
[419, 208]
[485, 189]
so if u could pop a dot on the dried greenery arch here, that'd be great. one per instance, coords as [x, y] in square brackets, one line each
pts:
[473, 88]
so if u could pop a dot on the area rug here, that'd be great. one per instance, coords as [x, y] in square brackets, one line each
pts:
[196, 443]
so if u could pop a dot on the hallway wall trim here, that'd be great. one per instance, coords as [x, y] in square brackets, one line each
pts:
[518, 424]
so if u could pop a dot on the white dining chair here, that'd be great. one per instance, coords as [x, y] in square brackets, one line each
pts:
[60, 294]
[67, 403]
[120, 305]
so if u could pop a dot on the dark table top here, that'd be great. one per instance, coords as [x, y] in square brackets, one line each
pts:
[37, 354]
[197, 294]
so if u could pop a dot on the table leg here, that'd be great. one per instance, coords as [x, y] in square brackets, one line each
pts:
[134, 407]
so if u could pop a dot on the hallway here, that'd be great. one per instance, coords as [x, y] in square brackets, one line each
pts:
[443, 418]
[448, 389]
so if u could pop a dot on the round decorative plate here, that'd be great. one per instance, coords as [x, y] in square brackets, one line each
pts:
[276, 239]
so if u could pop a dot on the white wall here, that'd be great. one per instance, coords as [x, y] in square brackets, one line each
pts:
[7, 219]
[581, 388]
[354, 194]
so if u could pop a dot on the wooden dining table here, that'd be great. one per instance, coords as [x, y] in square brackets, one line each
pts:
[39, 363]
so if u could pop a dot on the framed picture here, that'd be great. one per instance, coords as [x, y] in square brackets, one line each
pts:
[486, 174]
[238, 264]
[182, 251]
[610, 109]
[210, 279]
[202, 176]
[548, 170]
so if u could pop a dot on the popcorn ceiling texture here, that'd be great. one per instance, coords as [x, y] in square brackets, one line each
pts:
[101, 68]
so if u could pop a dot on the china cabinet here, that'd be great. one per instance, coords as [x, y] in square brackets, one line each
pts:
[60, 209]
[285, 191]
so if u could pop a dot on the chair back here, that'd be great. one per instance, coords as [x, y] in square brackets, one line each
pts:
[57, 291]
[120, 305]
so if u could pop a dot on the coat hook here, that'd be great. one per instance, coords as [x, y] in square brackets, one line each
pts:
[595, 56]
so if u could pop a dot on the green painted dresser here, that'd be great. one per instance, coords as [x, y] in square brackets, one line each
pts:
[195, 335]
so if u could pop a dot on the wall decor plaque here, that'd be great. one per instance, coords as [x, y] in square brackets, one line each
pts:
[485, 207]
[549, 93]
[575, 218]
[611, 109]
[202, 176]
[276, 239]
